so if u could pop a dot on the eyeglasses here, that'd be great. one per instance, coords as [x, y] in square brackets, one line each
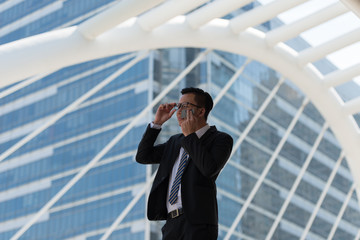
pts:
[185, 105]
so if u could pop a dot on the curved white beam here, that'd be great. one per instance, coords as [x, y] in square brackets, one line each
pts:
[319, 52]
[262, 14]
[341, 76]
[115, 15]
[214, 10]
[354, 5]
[70, 48]
[291, 30]
[352, 107]
[166, 11]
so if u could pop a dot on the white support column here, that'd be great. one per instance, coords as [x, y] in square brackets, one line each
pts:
[108, 147]
[341, 76]
[261, 14]
[231, 82]
[292, 30]
[218, 8]
[296, 183]
[128, 208]
[354, 5]
[319, 52]
[341, 213]
[9, 4]
[353, 106]
[23, 84]
[358, 236]
[115, 15]
[166, 11]
[266, 170]
[322, 196]
[71, 107]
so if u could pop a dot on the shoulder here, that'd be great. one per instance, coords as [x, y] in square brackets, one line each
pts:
[214, 130]
[174, 139]
[219, 135]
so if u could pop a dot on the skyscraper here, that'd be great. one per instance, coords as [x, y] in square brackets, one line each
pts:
[284, 135]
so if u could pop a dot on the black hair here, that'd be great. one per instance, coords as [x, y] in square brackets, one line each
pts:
[202, 98]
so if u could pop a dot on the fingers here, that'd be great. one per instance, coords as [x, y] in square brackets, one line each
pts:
[189, 115]
[167, 106]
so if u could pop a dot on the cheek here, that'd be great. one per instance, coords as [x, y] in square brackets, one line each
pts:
[178, 115]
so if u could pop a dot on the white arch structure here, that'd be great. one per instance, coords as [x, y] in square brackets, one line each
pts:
[133, 25]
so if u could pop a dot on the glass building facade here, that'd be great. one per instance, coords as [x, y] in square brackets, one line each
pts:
[36, 172]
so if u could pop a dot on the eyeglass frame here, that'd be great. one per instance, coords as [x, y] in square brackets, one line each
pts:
[179, 105]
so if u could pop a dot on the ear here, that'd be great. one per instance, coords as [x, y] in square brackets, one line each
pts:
[201, 112]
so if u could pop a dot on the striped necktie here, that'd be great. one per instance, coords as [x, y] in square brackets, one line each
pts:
[176, 184]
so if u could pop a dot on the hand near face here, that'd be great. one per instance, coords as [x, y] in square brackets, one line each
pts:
[190, 124]
[164, 113]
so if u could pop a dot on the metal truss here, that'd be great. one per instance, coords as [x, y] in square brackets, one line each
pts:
[357, 236]
[322, 197]
[296, 183]
[266, 170]
[341, 213]
[118, 30]
[198, 23]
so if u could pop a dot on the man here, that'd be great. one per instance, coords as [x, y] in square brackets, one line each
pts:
[184, 189]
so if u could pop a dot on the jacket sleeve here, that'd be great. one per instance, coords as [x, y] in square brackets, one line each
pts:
[209, 159]
[147, 153]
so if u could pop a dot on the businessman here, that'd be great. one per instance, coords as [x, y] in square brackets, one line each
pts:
[184, 189]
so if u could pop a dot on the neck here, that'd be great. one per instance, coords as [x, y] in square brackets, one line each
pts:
[200, 125]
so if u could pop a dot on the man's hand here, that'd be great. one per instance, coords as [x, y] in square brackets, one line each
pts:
[164, 113]
[191, 123]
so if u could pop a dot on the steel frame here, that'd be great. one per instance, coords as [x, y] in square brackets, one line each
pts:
[160, 24]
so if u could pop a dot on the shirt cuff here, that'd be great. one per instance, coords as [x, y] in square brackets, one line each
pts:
[154, 125]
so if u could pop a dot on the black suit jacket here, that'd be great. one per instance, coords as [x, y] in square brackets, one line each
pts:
[207, 156]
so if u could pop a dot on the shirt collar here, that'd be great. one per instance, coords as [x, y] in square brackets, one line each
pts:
[202, 130]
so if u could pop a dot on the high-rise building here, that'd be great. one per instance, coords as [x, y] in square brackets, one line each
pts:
[279, 131]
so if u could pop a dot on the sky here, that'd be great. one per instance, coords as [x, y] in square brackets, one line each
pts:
[338, 26]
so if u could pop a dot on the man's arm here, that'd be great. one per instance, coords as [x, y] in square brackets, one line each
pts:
[148, 153]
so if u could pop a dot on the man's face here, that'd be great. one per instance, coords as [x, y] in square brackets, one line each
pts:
[186, 98]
